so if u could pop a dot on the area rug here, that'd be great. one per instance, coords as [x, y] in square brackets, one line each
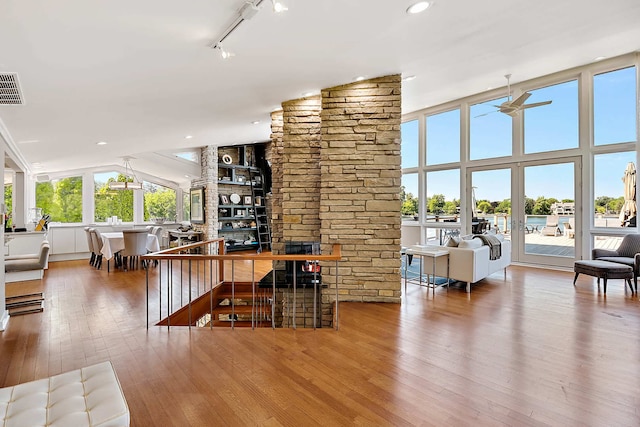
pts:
[413, 272]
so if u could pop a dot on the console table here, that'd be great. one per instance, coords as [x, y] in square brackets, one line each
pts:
[426, 252]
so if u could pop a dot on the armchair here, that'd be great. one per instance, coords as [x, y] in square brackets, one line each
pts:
[628, 253]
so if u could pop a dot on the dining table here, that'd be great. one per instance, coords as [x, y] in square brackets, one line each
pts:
[113, 242]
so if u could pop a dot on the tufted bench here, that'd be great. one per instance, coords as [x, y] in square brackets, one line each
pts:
[605, 270]
[90, 396]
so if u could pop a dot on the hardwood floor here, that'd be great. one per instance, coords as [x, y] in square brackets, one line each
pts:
[533, 350]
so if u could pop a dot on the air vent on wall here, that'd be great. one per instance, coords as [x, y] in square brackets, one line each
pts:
[10, 93]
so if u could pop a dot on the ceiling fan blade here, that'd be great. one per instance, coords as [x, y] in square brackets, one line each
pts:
[481, 115]
[520, 100]
[535, 104]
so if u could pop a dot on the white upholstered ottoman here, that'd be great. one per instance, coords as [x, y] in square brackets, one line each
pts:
[90, 396]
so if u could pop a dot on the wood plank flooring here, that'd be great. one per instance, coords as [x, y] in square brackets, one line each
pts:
[531, 351]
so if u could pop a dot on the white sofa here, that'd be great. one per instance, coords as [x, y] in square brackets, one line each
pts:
[468, 264]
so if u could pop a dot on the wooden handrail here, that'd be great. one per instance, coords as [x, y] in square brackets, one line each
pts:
[336, 254]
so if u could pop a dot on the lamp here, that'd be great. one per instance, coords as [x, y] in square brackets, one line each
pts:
[134, 184]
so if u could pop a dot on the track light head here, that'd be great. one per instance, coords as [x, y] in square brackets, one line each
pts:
[279, 6]
[224, 53]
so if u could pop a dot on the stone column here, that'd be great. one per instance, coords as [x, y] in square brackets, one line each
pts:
[360, 194]
[300, 170]
[208, 180]
[277, 244]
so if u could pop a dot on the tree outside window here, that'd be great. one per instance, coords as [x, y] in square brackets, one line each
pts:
[109, 203]
[8, 203]
[61, 199]
[159, 202]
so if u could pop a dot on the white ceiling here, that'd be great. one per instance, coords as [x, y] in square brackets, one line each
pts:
[139, 75]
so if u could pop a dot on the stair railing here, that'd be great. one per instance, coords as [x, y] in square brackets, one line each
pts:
[198, 269]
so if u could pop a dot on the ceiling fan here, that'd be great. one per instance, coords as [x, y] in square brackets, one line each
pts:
[513, 107]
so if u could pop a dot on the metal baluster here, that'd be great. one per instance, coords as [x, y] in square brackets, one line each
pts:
[273, 297]
[190, 290]
[295, 285]
[181, 281]
[337, 295]
[253, 293]
[147, 283]
[210, 294]
[315, 291]
[233, 294]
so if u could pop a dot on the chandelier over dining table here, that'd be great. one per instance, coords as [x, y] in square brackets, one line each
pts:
[130, 180]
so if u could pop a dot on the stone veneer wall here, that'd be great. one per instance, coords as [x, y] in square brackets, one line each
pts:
[275, 155]
[360, 194]
[300, 170]
[208, 180]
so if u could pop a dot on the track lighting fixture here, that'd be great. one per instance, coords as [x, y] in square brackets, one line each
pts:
[246, 12]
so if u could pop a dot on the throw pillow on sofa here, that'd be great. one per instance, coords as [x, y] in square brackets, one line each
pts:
[453, 242]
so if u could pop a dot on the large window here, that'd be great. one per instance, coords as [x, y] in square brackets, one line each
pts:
[443, 194]
[409, 146]
[8, 205]
[61, 199]
[109, 203]
[614, 106]
[490, 131]
[159, 202]
[409, 197]
[186, 206]
[553, 126]
[609, 188]
[443, 138]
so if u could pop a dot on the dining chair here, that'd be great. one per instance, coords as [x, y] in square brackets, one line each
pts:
[157, 231]
[135, 245]
[96, 239]
[90, 244]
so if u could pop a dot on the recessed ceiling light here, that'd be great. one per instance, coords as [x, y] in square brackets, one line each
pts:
[186, 176]
[418, 7]
[600, 58]
[408, 78]
[101, 143]
[188, 137]
[37, 165]
[255, 122]
[30, 141]
[359, 78]
[306, 94]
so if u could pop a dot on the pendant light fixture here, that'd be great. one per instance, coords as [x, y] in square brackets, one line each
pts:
[131, 182]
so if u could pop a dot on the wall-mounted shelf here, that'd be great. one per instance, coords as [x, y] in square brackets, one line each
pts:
[241, 211]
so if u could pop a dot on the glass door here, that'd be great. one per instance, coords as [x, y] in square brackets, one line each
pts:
[533, 204]
[547, 218]
[490, 198]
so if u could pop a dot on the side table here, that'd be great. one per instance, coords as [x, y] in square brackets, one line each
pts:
[425, 252]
